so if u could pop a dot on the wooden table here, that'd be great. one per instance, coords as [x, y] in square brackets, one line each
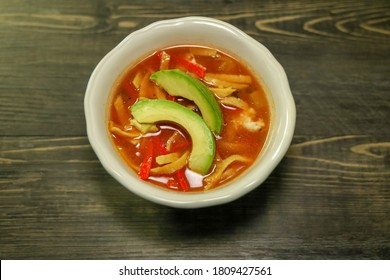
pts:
[328, 199]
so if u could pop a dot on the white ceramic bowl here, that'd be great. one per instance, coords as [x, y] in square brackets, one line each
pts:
[202, 31]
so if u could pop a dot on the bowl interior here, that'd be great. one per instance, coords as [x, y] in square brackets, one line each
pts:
[194, 31]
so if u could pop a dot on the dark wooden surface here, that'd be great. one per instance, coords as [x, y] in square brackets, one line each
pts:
[328, 199]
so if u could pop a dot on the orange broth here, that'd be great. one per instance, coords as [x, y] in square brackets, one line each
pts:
[240, 137]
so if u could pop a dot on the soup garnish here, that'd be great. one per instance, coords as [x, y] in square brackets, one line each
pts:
[203, 145]
[177, 83]
[188, 118]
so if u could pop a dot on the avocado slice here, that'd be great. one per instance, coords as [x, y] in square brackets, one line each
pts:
[203, 143]
[178, 83]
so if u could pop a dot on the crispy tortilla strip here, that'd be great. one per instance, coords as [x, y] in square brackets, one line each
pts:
[203, 52]
[226, 64]
[235, 102]
[231, 78]
[160, 94]
[165, 59]
[118, 131]
[144, 88]
[144, 127]
[255, 97]
[137, 80]
[229, 172]
[171, 167]
[168, 158]
[223, 84]
[222, 92]
[121, 110]
[221, 166]
[171, 140]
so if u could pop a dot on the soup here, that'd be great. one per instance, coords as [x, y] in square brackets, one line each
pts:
[188, 118]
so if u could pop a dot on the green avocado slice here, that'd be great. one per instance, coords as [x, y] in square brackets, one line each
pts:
[178, 83]
[203, 143]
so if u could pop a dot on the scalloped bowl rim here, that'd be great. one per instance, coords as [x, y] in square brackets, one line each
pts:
[182, 31]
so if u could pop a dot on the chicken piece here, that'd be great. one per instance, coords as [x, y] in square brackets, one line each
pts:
[248, 121]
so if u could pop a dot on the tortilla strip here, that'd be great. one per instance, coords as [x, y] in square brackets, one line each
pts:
[235, 102]
[223, 84]
[231, 78]
[171, 167]
[222, 92]
[118, 131]
[215, 177]
[121, 110]
[168, 158]
[203, 52]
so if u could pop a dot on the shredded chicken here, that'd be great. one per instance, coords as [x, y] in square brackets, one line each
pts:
[248, 121]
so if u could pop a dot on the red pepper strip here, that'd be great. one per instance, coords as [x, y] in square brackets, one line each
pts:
[183, 180]
[159, 146]
[146, 164]
[171, 98]
[129, 88]
[171, 184]
[192, 67]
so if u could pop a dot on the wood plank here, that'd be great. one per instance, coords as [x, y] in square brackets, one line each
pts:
[53, 72]
[53, 191]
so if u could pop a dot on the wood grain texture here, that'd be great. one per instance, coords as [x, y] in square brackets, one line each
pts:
[328, 199]
[56, 191]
